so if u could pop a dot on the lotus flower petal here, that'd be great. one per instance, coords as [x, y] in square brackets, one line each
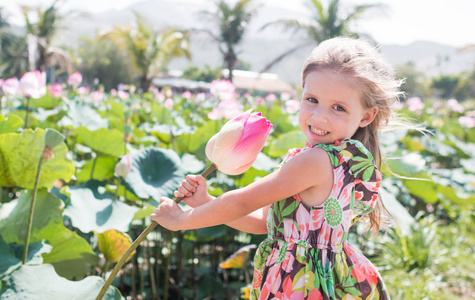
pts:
[235, 147]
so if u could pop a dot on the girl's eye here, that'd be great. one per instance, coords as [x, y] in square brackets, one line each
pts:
[339, 108]
[313, 100]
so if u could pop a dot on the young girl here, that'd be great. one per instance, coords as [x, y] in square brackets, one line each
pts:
[308, 205]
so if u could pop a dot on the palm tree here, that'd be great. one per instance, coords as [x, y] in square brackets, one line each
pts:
[41, 54]
[326, 22]
[231, 22]
[151, 50]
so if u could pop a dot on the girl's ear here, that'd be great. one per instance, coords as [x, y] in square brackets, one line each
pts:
[368, 116]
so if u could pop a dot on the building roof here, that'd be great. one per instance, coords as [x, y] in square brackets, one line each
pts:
[254, 81]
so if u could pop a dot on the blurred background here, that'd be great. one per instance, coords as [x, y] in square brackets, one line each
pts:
[137, 85]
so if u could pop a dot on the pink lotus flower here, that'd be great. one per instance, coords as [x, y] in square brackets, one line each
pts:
[124, 166]
[123, 95]
[468, 122]
[75, 79]
[415, 104]
[11, 86]
[235, 147]
[55, 90]
[97, 96]
[168, 104]
[83, 90]
[223, 89]
[33, 84]
[292, 106]
[455, 105]
[225, 109]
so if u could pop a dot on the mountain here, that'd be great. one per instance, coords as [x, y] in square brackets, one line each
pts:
[259, 46]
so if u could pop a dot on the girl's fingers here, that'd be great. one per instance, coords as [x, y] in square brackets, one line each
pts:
[178, 194]
[185, 191]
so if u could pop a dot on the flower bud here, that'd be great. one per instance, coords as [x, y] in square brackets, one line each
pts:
[124, 166]
[235, 147]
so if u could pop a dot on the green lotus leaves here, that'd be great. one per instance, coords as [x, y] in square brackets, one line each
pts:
[103, 169]
[10, 124]
[104, 141]
[12, 254]
[19, 157]
[80, 114]
[155, 173]
[279, 146]
[71, 255]
[30, 281]
[113, 244]
[53, 138]
[47, 101]
[90, 209]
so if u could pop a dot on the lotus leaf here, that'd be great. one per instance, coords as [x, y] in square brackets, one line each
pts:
[19, 157]
[71, 255]
[104, 141]
[11, 255]
[83, 115]
[41, 282]
[103, 169]
[10, 124]
[286, 141]
[92, 210]
[113, 244]
[155, 172]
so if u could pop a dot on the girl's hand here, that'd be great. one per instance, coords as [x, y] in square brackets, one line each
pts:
[168, 214]
[195, 191]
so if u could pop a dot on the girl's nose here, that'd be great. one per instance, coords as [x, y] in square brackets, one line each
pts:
[320, 115]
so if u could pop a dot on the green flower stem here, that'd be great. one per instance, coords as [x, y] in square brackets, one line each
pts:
[32, 210]
[137, 242]
[93, 165]
[27, 111]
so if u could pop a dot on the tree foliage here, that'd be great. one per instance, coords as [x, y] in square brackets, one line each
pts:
[148, 49]
[100, 58]
[230, 24]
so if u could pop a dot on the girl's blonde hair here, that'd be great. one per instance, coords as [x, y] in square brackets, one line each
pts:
[365, 67]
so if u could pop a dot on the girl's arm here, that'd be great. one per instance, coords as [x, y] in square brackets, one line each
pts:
[195, 192]
[310, 168]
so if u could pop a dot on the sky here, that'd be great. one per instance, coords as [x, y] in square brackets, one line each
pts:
[401, 22]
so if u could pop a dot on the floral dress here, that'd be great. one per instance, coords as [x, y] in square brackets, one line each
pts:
[305, 255]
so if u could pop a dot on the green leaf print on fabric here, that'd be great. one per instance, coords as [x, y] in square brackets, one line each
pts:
[365, 165]
[282, 253]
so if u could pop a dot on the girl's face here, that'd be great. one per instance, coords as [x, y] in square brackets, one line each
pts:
[331, 108]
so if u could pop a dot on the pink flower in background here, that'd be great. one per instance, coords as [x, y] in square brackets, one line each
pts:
[113, 92]
[455, 105]
[398, 105]
[200, 97]
[55, 90]
[33, 84]
[187, 94]
[235, 147]
[75, 79]
[223, 89]
[225, 110]
[467, 122]
[11, 86]
[415, 104]
[97, 96]
[292, 106]
[271, 97]
[124, 166]
[123, 95]
[83, 90]
[168, 104]
[285, 96]
[260, 100]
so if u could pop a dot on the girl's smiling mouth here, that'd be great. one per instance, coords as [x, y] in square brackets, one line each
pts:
[318, 131]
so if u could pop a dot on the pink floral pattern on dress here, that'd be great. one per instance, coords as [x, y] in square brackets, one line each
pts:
[305, 255]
